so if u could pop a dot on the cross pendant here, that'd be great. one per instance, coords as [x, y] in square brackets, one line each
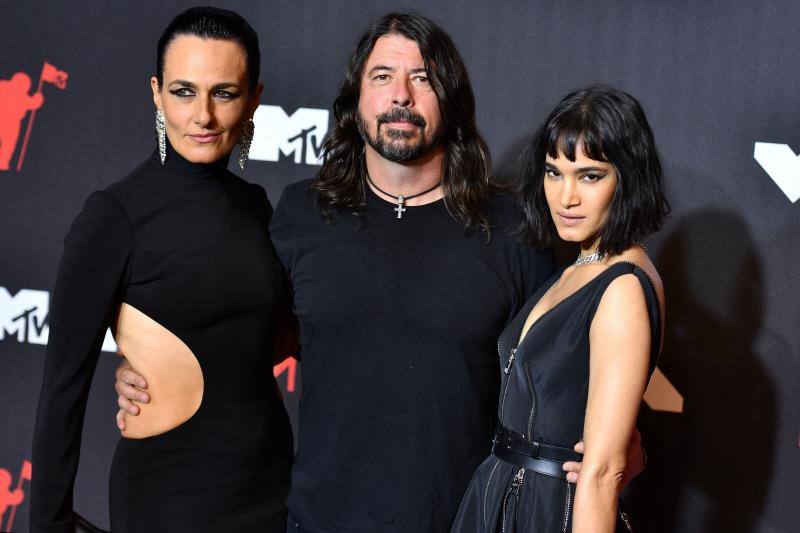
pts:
[400, 209]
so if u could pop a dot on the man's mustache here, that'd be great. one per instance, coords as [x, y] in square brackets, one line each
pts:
[401, 114]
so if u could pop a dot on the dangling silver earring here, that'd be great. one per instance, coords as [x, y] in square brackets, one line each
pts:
[245, 140]
[161, 135]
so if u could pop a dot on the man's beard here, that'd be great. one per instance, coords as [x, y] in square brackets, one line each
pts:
[389, 142]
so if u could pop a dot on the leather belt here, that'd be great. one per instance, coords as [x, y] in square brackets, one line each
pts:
[539, 457]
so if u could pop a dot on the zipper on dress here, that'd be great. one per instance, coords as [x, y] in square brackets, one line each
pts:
[510, 360]
[532, 414]
[626, 520]
[513, 491]
[567, 507]
[509, 371]
[516, 503]
[486, 492]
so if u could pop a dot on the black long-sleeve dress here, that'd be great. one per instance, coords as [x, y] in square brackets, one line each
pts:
[187, 245]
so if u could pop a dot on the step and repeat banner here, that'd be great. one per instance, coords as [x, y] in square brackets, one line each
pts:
[719, 80]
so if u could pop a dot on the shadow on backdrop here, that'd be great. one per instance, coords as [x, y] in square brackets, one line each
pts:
[709, 467]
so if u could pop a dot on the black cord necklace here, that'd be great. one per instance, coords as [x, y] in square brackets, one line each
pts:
[401, 200]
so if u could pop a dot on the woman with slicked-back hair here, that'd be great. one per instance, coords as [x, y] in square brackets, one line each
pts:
[177, 260]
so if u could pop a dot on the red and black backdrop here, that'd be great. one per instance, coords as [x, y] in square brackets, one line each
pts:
[719, 80]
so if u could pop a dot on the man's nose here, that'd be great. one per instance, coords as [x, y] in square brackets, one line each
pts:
[402, 96]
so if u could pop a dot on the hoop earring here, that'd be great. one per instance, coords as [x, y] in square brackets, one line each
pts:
[161, 135]
[245, 140]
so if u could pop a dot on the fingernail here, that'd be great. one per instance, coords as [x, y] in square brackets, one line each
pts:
[572, 477]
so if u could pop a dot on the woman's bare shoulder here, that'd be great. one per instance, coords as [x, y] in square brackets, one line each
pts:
[638, 256]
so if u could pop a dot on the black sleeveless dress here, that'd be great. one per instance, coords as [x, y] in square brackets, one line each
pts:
[188, 245]
[521, 486]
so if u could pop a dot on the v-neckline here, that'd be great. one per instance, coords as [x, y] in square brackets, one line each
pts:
[521, 338]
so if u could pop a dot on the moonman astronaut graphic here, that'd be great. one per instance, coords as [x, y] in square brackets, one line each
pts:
[15, 102]
[11, 498]
[8, 497]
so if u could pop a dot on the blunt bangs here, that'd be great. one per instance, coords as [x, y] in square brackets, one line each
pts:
[608, 125]
[565, 134]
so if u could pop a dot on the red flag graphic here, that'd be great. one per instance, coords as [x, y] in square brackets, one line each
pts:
[289, 366]
[51, 74]
[26, 471]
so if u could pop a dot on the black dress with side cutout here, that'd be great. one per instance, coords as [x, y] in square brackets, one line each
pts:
[187, 245]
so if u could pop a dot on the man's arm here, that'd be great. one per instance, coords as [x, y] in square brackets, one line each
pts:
[287, 333]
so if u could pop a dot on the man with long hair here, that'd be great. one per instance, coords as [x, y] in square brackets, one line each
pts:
[404, 272]
[405, 124]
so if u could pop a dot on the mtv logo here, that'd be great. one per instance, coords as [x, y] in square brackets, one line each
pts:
[782, 165]
[24, 316]
[298, 135]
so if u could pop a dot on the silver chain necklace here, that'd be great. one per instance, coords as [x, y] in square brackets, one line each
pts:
[591, 258]
[596, 257]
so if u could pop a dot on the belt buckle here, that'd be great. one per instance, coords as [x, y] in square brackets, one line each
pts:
[535, 448]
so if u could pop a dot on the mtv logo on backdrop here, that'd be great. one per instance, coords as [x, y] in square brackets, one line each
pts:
[24, 317]
[298, 135]
[782, 165]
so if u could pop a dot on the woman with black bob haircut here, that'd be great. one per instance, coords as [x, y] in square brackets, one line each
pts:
[577, 358]
[615, 131]
[177, 261]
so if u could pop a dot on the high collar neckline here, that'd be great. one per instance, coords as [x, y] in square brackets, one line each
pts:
[180, 164]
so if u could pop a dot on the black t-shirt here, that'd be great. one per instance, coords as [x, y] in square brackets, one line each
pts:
[399, 321]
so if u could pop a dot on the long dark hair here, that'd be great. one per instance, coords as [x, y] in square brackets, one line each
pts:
[339, 185]
[609, 125]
